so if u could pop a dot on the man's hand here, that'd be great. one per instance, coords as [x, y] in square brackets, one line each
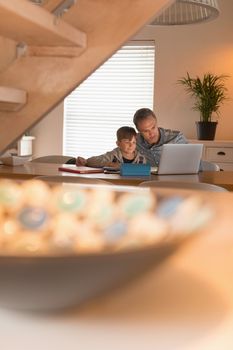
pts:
[81, 161]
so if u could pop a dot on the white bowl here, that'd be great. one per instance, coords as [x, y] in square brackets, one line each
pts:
[15, 160]
[51, 283]
[56, 252]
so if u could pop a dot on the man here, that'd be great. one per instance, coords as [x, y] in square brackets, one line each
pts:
[151, 138]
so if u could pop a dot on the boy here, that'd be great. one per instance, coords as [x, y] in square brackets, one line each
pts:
[125, 152]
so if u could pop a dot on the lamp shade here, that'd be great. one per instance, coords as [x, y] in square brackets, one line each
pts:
[188, 12]
[39, 2]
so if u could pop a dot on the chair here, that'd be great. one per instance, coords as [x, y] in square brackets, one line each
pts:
[208, 166]
[56, 159]
[73, 179]
[201, 186]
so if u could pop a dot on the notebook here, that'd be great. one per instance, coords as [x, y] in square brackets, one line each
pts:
[180, 159]
[70, 168]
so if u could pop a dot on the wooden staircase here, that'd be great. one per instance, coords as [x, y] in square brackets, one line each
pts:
[44, 57]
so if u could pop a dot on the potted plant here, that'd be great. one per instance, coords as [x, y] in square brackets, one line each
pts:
[209, 93]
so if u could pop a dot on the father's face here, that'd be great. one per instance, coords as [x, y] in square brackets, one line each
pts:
[149, 129]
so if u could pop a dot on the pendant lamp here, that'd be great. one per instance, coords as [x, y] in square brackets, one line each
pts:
[188, 12]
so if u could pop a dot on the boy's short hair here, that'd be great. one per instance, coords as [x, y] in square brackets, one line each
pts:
[126, 132]
[142, 114]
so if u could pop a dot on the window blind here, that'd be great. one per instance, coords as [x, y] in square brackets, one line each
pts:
[108, 100]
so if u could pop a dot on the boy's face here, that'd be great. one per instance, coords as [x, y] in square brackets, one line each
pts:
[127, 146]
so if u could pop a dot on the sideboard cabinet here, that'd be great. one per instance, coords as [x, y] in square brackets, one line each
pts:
[219, 152]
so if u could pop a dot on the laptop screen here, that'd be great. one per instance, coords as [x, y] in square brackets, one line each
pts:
[180, 158]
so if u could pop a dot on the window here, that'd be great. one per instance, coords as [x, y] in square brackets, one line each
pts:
[108, 100]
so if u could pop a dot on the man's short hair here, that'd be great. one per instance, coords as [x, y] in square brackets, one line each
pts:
[142, 114]
[126, 132]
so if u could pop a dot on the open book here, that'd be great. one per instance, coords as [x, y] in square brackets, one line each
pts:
[70, 168]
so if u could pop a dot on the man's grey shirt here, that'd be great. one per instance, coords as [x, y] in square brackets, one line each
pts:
[152, 152]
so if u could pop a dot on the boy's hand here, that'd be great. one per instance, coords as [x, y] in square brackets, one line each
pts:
[81, 161]
[113, 164]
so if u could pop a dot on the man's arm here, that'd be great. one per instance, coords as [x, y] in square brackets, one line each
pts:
[180, 138]
[171, 136]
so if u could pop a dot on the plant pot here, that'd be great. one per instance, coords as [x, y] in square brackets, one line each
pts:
[206, 130]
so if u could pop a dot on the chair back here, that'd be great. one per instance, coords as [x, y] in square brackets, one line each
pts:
[56, 159]
[208, 166]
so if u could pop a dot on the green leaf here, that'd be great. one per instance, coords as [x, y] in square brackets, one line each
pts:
[208, 92]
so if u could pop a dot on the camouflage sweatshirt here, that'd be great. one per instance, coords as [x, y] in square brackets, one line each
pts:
[113, 156]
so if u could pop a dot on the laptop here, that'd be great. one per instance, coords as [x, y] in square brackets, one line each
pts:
[180, 159]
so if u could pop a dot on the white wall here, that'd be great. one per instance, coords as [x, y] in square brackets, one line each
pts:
[198, 49]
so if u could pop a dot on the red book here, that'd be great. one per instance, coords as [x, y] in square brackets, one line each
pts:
[70, 168]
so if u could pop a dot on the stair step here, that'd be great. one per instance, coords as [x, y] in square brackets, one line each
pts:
[12, 99]
[33, 25]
